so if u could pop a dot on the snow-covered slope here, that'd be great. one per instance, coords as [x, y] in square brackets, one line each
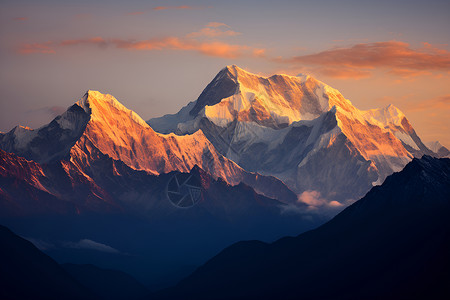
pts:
[438, 148]
[98, 123]
[300, 130]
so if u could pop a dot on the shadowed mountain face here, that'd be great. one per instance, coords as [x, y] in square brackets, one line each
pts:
[27, 273]
[132, 211]
[391, 244]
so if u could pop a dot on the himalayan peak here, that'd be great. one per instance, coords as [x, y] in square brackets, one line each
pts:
[299, 130]
[99, 125]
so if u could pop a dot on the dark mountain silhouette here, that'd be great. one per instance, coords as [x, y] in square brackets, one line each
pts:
[110, 284]
[392, 244]
[27, 273]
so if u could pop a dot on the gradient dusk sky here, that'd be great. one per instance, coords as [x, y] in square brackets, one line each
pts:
[156, 56]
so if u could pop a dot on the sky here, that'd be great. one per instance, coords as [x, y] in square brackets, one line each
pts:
[156, 56]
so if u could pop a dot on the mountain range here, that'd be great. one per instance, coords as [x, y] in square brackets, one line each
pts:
[252, 158]
[391, 244]
[299, 130]
[281, 135]
[27, 273]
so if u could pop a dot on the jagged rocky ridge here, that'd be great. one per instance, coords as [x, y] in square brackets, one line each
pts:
[98, 127]
[299, 130]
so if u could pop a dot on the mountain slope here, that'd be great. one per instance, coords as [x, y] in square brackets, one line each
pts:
[27, 273]
[27, 187]
[99, 123]
[294, 127]
[393, 243]
[109, 202]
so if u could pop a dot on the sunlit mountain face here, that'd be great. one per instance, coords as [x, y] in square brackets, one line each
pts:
[299, 130]
[252, 158]
[294, 139]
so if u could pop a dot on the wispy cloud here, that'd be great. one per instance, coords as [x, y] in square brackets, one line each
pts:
[214, 29]
[91, 245]
[20, 19]
[359, 60]
[310, 203]
[210, 48]
[46, 48]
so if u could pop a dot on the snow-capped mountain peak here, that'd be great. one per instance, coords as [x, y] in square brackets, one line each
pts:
[102, 106]
[98, 124]
[387, 115]
[289, 126]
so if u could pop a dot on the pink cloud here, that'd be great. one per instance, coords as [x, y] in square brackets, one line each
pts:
[214, 48]
[20, 19]
[357, 61]
[314, 200]
[218, 49]
[45, 48]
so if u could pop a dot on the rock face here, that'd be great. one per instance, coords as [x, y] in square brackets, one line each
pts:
[299, 130]
[391, 244]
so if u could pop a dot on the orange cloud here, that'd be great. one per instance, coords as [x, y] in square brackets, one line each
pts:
[20, 19]
[90, 41]
[173, 7]
[218, 49]
[213, 29]
[397, 57]
[45, 48]
[343, 73]
[215, 48]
